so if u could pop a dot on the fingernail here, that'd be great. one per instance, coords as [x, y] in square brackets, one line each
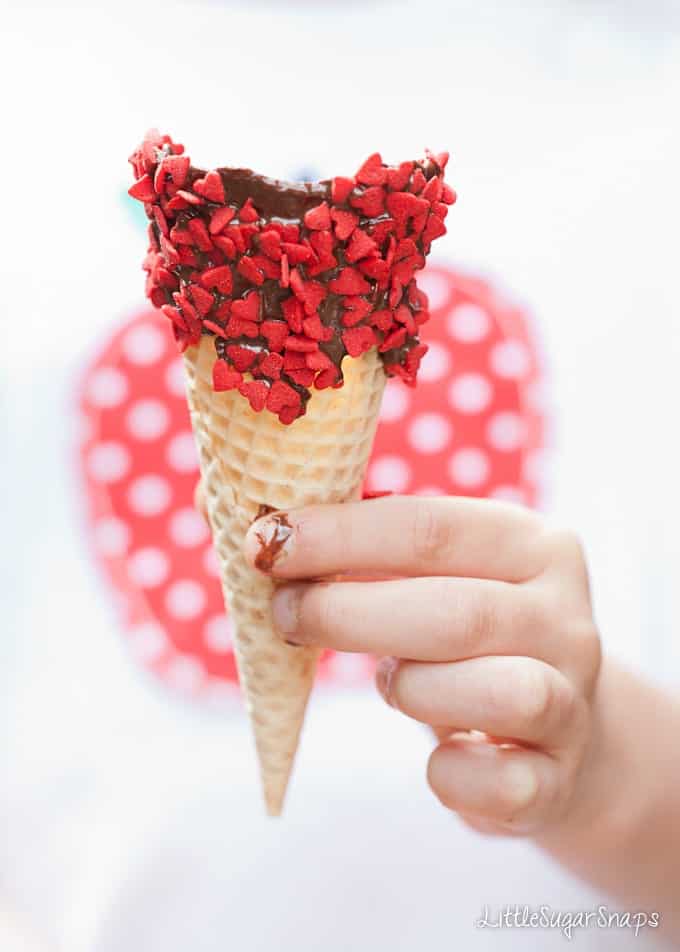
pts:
[268, 541]
[384, 673]
[285, 609]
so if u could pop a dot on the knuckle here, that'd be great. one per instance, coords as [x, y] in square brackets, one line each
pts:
[566, 546]
[431, 532]
[534, 698]
[585, 648]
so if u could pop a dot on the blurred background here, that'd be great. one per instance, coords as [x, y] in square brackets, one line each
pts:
[131, 817]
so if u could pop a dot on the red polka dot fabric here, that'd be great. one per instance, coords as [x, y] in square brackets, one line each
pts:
[472, 426]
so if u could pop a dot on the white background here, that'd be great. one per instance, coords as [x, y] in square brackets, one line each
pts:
[129, 821]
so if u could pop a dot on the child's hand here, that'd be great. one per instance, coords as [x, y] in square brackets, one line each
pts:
[487, 627]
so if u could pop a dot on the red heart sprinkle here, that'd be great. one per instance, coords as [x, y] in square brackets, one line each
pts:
[448, 195]
[250, 271]
[318, 218]
[349, 281]
[241, 357]
[177, 167]
[395, 339]
[358, 308]
[219, 218]
[226, 246]
[294, 313]
[418, 182]
[248, 212]
[238, 328]
[297, 254]
[202, 299]
[189, 197]
[275, 333]
[313, 327]
[318, 361]
[327, 378]
[398, 179]
[225, 377]
[270, 244]
[271, 366]
[256, 392]
[358, 340]
[434, 228]
[360, 246]
[220, 278]
[248, 307]
[302, 344]
[143, 189]
[200, 234]
[371, 203]
[282, 395]
[403, 205]
[340, 189]
[303, 377]
[345, 223]
[433, 190]
[215, 329]
[210, 187]
[372, 172]
[161, 220]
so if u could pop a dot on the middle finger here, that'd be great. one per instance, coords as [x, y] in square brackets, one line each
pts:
[425, 619]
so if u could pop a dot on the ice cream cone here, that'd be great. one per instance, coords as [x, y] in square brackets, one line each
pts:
[250, 460]
[292, 302]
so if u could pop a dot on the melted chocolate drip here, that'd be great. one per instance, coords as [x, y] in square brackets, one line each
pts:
[272, 539]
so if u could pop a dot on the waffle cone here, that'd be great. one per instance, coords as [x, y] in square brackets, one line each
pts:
[249, 460]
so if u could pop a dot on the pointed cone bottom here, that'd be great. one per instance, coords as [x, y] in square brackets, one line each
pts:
[249, 460]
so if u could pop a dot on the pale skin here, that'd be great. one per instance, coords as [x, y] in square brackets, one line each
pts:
[482, 617]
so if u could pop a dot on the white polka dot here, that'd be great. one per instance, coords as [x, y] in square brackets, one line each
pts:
[108, 462]
[182, 454]
[144, 344]
[535, 467]
[395, 402]
[430, 491]
[148, 567]
[111, 537]
[506, 431]
[437, 288]
[174, 378]
[430, 433]
[149, 495]
[107, 387]
[210, 562]
[389, 473]
[147, 642]
[185, 674]
[218, 634]
[147, 419]
[468, 323]
[509, 494]
[185, 599]
[470, 393]
[188, 528]
[469, 467]
[510, 359]
[536, 396]
[435, 364]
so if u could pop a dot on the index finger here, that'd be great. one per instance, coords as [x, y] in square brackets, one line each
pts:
[400, 535]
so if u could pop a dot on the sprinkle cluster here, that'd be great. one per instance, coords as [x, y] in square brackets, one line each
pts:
[287, 297]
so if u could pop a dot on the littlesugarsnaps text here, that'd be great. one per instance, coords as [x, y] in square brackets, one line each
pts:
[566, 921]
